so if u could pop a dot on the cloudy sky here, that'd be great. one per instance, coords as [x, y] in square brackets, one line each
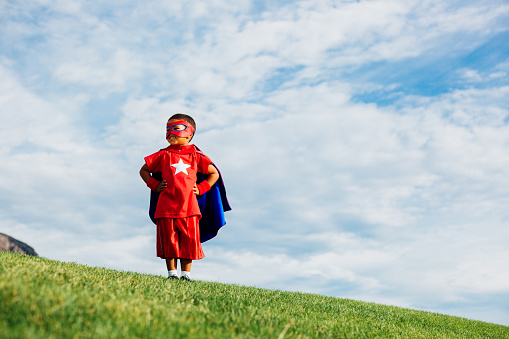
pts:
[364, 144]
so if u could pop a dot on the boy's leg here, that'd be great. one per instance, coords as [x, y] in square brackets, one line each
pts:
[167, 244]
[171, 265]
[189, 241]
[185, 267]
[167, 241]
[189, 244]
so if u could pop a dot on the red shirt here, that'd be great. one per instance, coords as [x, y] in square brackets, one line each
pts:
[179, 165]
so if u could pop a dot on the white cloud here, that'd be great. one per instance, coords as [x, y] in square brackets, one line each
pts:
[446, 18]
[474, 76]
[119, 68]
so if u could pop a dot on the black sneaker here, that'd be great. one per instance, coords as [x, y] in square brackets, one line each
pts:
[173, 277]
[185, 278]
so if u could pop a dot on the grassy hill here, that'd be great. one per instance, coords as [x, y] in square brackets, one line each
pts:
[41, 298]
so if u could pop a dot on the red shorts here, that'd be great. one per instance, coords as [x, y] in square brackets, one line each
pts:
[179, 238]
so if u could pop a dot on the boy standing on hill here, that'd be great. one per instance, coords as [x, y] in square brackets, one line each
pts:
[177, 213]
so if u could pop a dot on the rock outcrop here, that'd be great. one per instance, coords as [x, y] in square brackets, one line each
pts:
[12, 245]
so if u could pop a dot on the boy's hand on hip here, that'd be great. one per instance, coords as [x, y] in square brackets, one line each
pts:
[196, 190]
[161, 186]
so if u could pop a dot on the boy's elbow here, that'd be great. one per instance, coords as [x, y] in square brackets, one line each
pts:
[213, 170]
[144, 171]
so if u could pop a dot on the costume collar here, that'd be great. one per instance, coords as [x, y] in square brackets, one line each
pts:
[188, 149]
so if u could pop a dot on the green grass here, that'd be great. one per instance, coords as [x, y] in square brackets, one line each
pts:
[41, 298]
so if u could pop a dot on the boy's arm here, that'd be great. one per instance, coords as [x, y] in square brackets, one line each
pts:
[152, 183]
[206, 184]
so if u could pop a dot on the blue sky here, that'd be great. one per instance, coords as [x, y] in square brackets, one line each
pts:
[364, 144]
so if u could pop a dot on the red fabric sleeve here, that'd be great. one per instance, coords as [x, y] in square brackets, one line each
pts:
[203, 163]
[154, 161]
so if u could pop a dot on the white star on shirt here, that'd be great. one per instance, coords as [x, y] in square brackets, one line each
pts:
[181, 167]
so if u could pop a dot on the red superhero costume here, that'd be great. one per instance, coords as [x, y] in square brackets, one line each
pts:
[177, 212]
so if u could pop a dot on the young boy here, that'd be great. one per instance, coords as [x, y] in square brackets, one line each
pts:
[177, 213]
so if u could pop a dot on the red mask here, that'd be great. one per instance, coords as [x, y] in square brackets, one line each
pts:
[179, 128]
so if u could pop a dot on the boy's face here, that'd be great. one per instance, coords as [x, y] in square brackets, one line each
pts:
[174, 139]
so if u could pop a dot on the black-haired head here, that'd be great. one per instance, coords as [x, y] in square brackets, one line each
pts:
[185, 117]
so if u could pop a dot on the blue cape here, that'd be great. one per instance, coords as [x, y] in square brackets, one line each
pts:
[212, 204]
